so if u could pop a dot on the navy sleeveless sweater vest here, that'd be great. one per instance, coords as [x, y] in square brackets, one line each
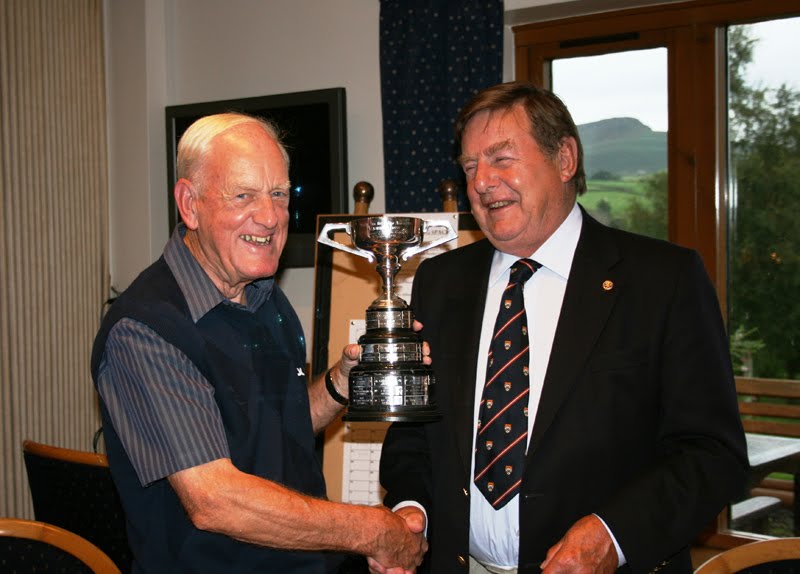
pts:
[252, 360]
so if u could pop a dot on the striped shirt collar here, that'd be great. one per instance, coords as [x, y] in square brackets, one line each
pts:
[196, 286]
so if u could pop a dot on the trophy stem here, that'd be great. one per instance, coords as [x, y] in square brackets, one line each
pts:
[387, 268]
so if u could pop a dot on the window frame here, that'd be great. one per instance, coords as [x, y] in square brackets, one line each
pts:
[694, 34]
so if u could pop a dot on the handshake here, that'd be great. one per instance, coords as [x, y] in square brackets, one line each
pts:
[400, 547]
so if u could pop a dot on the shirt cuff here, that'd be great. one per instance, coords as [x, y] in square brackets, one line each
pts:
[415, 504]
[620, 555]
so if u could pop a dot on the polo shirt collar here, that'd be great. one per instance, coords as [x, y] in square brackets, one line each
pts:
[196, 286]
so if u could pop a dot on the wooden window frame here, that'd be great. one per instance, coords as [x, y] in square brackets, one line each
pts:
[694, 34]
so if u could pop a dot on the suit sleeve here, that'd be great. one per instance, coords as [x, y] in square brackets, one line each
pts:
[701, 455]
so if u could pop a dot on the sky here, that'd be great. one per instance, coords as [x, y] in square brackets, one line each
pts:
[634, 84]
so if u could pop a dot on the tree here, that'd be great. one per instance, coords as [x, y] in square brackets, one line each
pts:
[605, 175]
[649, 216]
[743, 345]
[764, 244]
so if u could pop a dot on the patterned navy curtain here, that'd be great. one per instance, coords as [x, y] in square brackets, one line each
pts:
[435, 54]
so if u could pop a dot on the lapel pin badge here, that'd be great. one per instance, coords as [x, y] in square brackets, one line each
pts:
[608, 285]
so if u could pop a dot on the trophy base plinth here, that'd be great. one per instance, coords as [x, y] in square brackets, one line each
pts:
[399, 392]
[392, 415]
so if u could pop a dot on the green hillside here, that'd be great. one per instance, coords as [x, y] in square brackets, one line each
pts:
[623, 147]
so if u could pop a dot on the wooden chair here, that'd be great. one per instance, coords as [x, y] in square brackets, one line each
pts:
[30, 546]
[769, 406]
[74, 490]
[776, 556]
[772, 407]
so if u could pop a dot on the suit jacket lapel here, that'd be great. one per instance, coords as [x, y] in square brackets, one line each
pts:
[588, 301]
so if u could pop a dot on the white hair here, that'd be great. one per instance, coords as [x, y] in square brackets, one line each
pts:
[196, 140]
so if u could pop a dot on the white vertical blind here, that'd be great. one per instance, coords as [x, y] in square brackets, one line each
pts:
[53, 228]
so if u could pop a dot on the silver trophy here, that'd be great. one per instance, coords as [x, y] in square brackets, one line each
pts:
[390, 383]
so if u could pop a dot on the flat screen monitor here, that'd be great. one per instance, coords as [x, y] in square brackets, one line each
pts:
[313, 125]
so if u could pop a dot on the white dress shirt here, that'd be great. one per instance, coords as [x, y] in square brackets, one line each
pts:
[494, 534]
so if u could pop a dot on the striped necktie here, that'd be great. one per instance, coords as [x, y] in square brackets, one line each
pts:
[503, 417]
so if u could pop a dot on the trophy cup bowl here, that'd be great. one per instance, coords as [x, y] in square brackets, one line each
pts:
[391, 382]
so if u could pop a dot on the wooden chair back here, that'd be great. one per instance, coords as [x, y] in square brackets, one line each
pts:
[30, 546]
[769, 406]
[74, 490]
[765, 556]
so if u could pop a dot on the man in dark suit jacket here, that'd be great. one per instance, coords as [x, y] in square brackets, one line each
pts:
[635, 442]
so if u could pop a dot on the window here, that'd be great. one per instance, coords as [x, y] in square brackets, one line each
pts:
[764, 198]
[731, 185]
[622, 121]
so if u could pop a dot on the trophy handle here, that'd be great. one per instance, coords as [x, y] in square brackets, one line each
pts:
[428, 224]
[324, 237]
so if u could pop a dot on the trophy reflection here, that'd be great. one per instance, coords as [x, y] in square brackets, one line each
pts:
[390, 383]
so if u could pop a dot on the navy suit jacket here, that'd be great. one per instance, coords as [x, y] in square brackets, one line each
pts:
[638, 420]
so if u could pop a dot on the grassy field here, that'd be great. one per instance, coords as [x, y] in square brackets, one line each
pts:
[617, 193]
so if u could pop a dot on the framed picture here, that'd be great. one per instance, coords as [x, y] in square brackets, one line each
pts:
[313, 125]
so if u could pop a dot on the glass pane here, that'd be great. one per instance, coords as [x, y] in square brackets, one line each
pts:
[764, 243]
[619, 102]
